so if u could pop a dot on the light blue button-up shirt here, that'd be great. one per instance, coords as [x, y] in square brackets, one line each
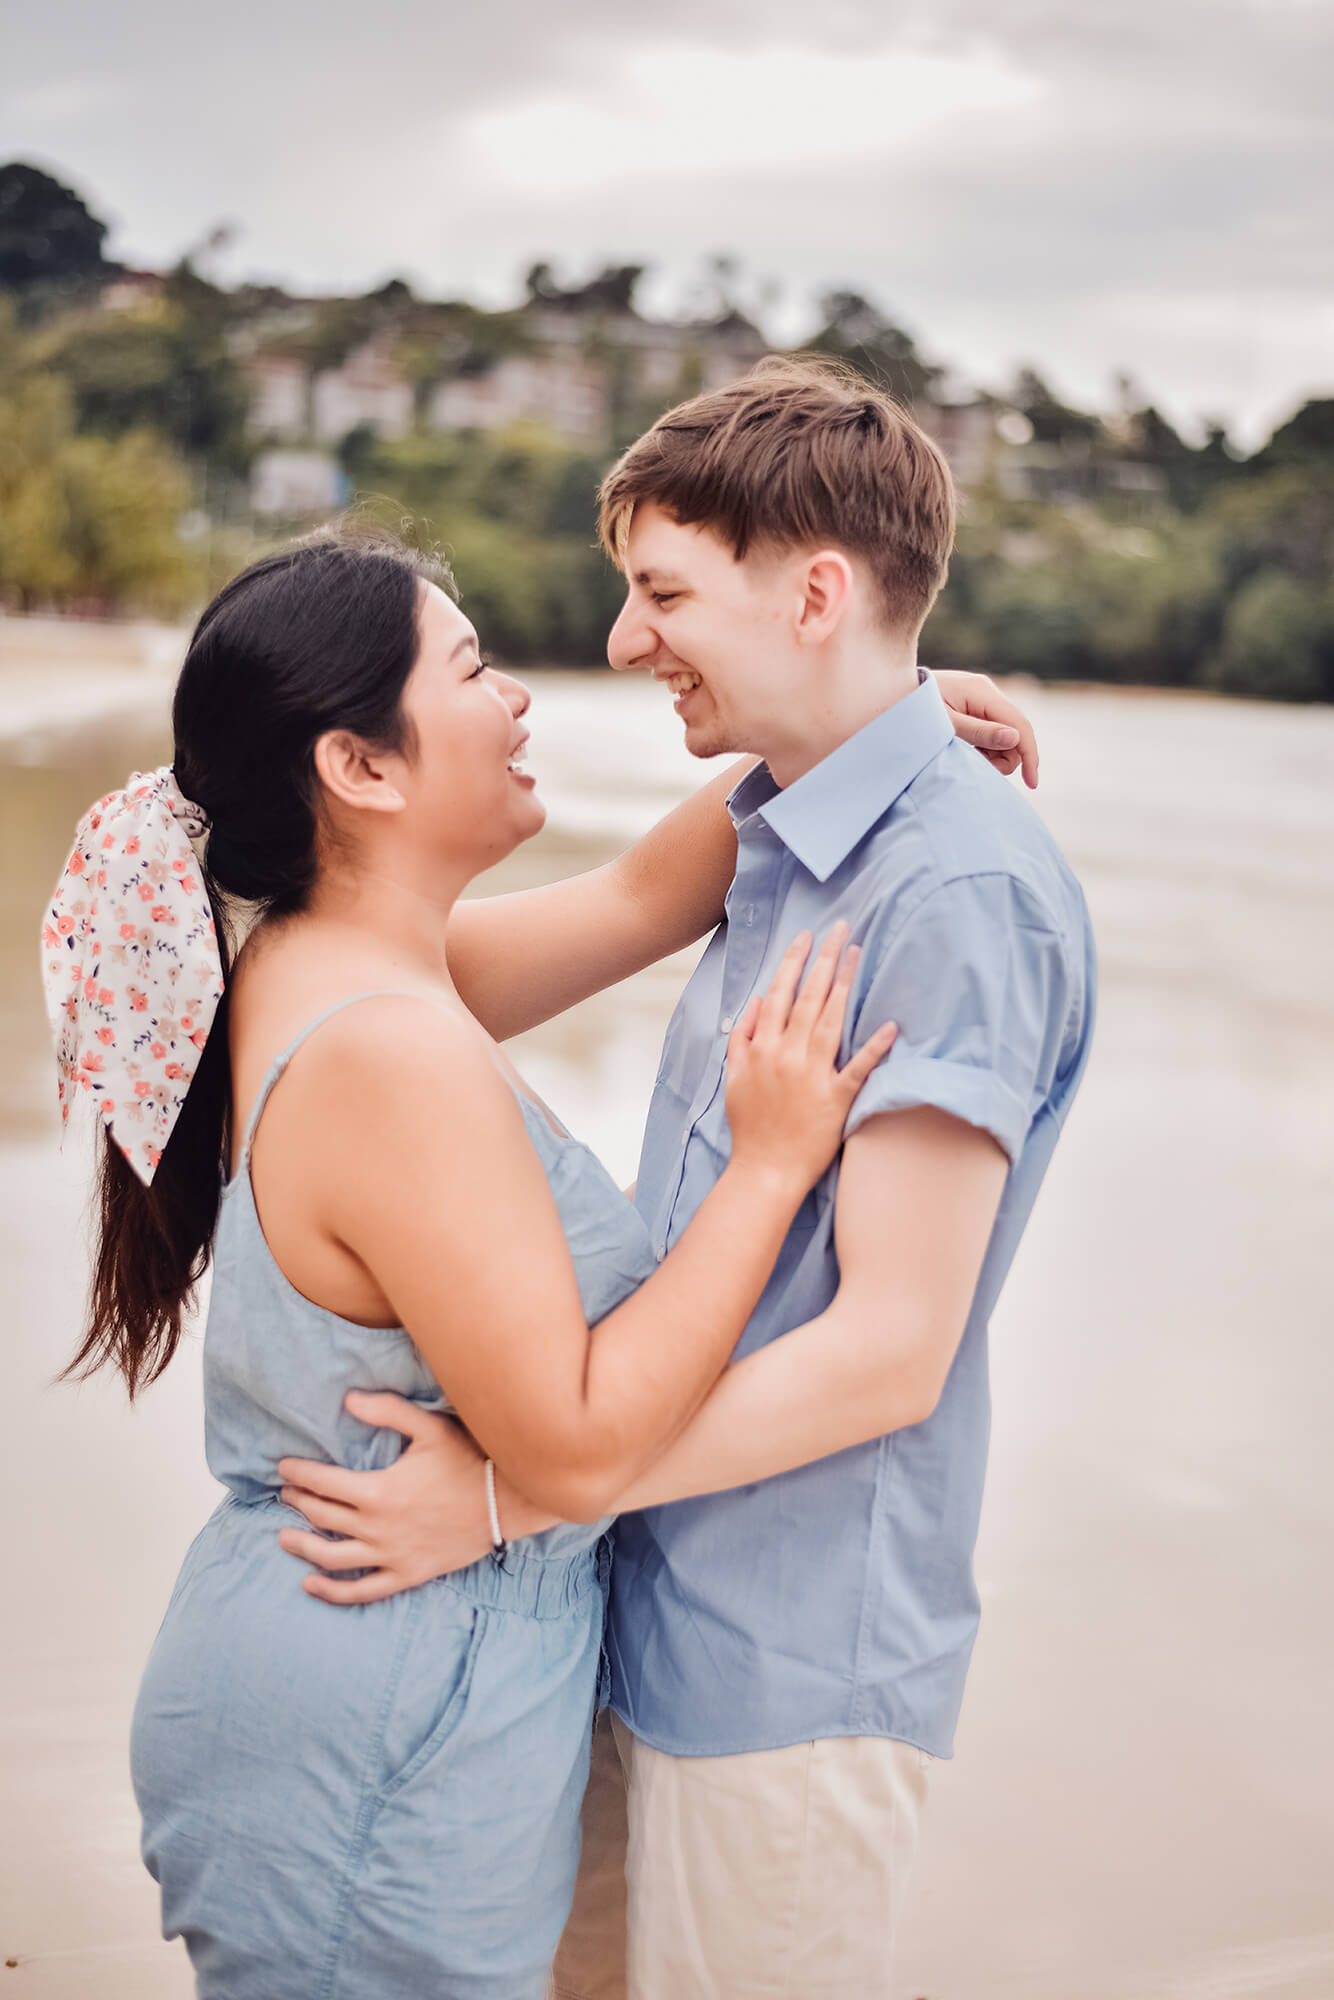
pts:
[838, 1600]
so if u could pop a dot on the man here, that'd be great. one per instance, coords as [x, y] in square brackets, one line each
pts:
[788, 1652]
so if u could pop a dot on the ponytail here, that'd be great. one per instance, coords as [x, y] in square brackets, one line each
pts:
[154, 1241]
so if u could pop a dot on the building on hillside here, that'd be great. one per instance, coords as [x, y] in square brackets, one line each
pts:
[297, 484]
[280, 389]
[368, 389]
[967, 434]
[130, 291]
[592, 369]
[582, 371]
[1076, 470]
[564, 391]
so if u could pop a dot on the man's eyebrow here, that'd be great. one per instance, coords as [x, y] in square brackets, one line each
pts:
[470, 639]
[658, 576]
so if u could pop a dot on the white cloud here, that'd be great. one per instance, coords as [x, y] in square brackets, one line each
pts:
[690, 113]
[1142, 185]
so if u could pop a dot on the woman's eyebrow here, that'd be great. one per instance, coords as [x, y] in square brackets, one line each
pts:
[469, 640]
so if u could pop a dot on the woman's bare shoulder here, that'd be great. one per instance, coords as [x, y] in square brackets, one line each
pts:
[353, 1025]
[403, 1037]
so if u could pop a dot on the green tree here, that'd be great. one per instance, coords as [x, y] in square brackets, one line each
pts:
[1053, 421]
[87, 519]
[859, 333]
[47, 234]
[1306, 439]
[500, 586]
[1278, 641]
[1033, 624]
[611, 290]
[167, 368]
[36, 563]
[572, 509]
[1282, 520]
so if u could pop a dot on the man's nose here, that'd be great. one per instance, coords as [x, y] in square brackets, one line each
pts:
[631, 642]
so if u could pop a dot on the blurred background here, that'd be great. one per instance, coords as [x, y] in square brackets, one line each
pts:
[443, 266]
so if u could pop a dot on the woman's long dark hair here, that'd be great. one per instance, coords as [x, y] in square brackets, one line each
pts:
[322, 636]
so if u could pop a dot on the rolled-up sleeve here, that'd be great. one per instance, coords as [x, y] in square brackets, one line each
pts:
[976, 978]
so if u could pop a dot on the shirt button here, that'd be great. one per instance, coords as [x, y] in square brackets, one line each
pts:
[727, 1024]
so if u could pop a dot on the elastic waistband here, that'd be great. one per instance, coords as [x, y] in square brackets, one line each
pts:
[533, 1585]
[525, 1580]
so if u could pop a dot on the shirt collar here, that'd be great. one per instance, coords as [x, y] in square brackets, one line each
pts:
[822, 816]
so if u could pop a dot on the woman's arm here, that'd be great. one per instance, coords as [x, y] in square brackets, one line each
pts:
[517, 960]
[990, 721]
[918, 1194]
[443, 1179]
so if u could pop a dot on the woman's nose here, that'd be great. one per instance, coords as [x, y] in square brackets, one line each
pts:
[517, 693]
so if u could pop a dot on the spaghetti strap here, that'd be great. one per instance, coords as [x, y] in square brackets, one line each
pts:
[280, 1062]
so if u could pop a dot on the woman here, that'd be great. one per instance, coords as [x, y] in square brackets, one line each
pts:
[387, 1804]
[387, 1801]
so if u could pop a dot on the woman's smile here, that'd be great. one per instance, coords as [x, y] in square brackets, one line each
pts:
[519, 757]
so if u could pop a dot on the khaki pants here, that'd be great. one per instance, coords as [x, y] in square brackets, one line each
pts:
[778, 1875]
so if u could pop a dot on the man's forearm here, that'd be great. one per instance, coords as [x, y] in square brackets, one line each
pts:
[918, 1195]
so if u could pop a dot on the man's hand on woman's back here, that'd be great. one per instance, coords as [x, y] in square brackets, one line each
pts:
[423, 1516]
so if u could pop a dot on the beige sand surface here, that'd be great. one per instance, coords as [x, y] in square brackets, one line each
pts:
[1142, 1807]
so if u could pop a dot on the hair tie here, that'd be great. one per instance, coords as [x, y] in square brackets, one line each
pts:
[131, 964]
[192, 817]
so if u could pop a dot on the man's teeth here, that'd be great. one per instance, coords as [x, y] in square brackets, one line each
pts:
[682, 683]
[520, 757]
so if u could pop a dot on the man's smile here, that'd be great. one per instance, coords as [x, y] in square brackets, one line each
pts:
[682, 681]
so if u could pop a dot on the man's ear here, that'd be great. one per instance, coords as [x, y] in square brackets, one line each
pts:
[355, 775]
[826, 588]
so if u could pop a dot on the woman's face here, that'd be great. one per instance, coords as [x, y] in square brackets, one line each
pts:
[463, 786]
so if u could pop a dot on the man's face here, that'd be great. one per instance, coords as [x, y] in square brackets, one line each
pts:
[717, 632]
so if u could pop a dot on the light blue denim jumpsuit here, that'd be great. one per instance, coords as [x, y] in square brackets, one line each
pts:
[373, 1801]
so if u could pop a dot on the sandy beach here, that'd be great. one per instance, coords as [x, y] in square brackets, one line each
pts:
[1142, 1804]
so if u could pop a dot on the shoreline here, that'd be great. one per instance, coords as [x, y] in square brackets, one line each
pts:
[48, 693]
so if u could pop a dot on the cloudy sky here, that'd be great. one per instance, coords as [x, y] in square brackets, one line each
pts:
[1137, 185]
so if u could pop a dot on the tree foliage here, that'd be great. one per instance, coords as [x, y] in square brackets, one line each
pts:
[859, 333]
[611, 290]
[47, 234]
[1152, 559]
[165, 365]
[1234, 595]
[514, 513]
[87, 520]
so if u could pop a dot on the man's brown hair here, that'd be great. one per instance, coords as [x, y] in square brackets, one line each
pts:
[796, 454]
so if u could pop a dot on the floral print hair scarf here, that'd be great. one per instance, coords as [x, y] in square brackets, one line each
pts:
[131, 965]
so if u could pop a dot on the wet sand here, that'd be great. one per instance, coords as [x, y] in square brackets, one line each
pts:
[1142, 1803]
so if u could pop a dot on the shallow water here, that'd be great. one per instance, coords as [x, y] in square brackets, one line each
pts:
[1141, 1804]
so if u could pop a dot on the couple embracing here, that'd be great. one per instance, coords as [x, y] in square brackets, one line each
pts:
[709, 1459]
